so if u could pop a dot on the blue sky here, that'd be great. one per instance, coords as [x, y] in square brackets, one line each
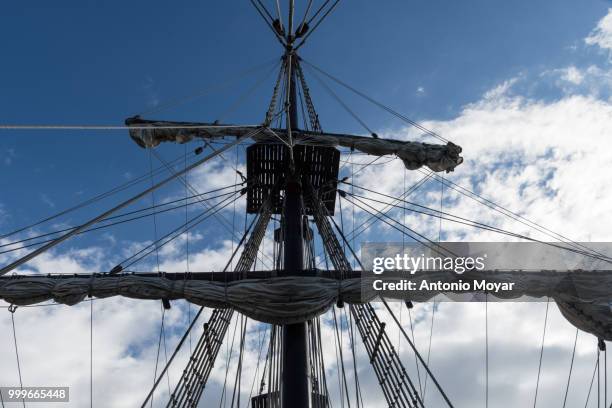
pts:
[515, 83]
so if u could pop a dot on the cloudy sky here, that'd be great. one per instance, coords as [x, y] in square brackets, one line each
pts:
[525, 88]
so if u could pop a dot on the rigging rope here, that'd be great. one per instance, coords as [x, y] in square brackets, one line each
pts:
[187, 246]
[348, 400]
[154, 220]
[301, 25]
[12, 310]
[91, 353]
[161, 330]
[409, 306]
[259, 353]
[592, 380]
[605, 372]
[329, 10]
[237, 380]
[535, 399]
[229, 357]
[119, 127]
[431, 327]
[569, 376]
[358, 394]
[339, 375]
[268, 23]
[487, 349]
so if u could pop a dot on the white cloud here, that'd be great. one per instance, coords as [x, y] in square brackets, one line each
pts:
[151, 92]
[45, 199]
[590, 80]
[9, 156]
[500, 90]
[573, 75]
[601, 36]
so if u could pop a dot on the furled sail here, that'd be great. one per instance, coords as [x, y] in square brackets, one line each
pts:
[583, 297]
[150, 133]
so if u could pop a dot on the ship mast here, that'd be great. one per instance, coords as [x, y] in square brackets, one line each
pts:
[295, 390]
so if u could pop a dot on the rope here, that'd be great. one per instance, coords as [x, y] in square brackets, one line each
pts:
[165, 349]
[118, 127]
[569, 376]
[605, 375]
[154, 217]
[487, 349]
[305, 14]
[416, 364]
[348, 400]
[535, 399]
[598, 378]
[317, 12]
[434, 308]
[187, 246]
[592, 380]
[261, 343]
[359, 395]
[433, 317]
[339, 375]
[281, 39]
[238, 377]
[161, 330]
[12, 310]
[333, 6]
[91, 353]
[278, 13]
